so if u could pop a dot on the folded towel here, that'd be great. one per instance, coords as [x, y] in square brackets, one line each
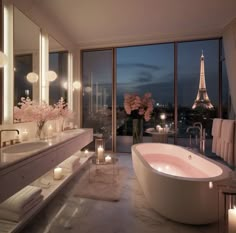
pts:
[19, 201]
[70, 164]
[216, 133]
[11, 215]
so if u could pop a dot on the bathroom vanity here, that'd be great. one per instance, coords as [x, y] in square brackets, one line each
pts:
[19, 168]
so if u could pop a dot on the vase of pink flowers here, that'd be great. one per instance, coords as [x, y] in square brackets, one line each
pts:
[28, 110]
[139, 109]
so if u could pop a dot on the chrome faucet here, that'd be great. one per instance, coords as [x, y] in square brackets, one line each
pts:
[7, 131]
[198, 125]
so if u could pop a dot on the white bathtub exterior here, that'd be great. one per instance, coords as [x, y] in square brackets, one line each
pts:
[185, 200]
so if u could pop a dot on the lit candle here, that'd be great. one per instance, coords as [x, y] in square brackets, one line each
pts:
[86, 151]
[24, 135]
[50, 131]
[232, 220]
[108, 159]
[210, 185]
[57, 173]
[100, 153]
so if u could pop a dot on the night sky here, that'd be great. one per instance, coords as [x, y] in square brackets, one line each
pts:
[150, 68]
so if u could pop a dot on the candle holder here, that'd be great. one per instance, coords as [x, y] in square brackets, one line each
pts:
[227, 209]
[100, 149]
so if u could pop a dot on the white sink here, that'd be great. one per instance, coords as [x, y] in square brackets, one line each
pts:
[22, 148]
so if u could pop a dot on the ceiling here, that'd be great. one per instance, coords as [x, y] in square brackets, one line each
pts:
[103, 22]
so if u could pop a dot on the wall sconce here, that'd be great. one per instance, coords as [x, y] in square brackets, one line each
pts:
[32, 77]
[3, 59]
[51, 75]
[76, 85]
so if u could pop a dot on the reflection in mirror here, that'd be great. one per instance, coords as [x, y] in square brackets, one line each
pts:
[58, 63]
[26, 57]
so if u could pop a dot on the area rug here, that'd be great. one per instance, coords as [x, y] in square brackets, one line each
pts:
[103, 182]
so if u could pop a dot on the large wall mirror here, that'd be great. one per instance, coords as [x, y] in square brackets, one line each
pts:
[58, 63]
[26, 36]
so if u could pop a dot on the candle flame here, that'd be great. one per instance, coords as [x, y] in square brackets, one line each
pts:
[210, 185]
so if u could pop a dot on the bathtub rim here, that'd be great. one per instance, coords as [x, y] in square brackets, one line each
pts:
[224, 175]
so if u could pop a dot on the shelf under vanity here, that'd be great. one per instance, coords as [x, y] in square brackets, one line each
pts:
[39, 165]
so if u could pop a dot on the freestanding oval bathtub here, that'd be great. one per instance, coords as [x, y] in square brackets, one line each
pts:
[176, 182]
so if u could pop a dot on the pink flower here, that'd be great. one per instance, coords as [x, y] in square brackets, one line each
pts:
[136, 106]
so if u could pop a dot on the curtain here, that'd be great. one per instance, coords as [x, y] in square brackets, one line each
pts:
[229, 42]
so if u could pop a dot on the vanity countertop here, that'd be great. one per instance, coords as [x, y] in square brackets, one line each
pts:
[10, 159]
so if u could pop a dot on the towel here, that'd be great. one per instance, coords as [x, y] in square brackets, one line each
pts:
[70, 164]
[19, 201]
[216, 133]
[11, 215]
[227, 141]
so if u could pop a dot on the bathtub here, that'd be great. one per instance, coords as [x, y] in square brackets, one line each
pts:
[177, 183]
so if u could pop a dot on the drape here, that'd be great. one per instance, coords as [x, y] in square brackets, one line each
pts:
[229, 43]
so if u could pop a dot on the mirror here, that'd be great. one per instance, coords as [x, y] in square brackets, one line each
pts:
[26, 36]
[58, 63]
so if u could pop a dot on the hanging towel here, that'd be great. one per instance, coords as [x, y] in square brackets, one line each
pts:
[227, 139]
[11, 215]
[216, 133]
[70, 164]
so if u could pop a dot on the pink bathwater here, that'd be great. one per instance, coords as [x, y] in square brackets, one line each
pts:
[174, 165]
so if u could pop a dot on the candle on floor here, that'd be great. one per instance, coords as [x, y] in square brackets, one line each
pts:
[57, 173]
[50, 131]
[108, 159]
[24, 135]
[100, 154]
[232, 220]
[210, 185]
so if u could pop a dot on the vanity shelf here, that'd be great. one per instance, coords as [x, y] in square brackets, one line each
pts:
[48, 194]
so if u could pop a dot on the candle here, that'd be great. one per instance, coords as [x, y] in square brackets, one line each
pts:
[210, 185]
[232, 220]
[108, 159]
[100, 153]
[24, 135]
[57, 173]
[86, 151]
[50, 131]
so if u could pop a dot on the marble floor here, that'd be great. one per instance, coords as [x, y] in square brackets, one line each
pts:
[67, 213]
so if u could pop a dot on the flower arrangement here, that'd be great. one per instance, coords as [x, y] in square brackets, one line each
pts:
[63, 110]
[139, 107]
[28, 110]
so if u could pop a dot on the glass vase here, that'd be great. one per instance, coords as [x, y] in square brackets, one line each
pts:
[137, 131]
[40, 131]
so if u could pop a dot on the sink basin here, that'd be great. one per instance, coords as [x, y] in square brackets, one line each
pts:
[27, 147]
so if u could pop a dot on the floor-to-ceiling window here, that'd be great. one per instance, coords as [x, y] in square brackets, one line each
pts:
[97, 74]
[140, 70]
[150, 68]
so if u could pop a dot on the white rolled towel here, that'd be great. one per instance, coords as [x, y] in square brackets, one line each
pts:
[16, 216]
[70, 164]
[20, 200]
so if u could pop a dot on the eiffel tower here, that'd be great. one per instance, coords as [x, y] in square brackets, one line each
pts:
[202, 99]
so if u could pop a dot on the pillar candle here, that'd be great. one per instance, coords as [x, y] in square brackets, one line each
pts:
[232, 220]
[57, 173]
[100, 153]
[24, 135]
[108, 159]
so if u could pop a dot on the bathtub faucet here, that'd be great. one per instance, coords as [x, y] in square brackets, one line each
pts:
[198, 126]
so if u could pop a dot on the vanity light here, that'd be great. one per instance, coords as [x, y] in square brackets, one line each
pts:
[51, 75]
[3, 59]
[76, 85]
[32, 77]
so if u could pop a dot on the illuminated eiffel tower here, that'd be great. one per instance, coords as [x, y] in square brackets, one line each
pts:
[202, 99]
